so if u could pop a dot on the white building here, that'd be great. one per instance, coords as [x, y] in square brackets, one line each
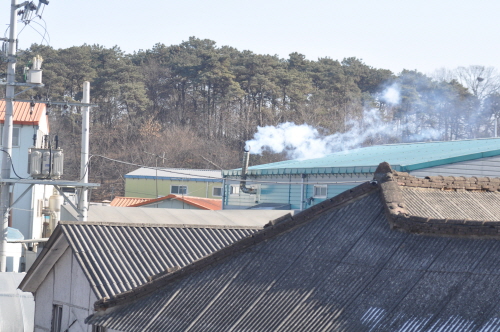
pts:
[30, 127]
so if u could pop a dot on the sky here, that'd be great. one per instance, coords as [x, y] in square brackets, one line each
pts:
[419, 35]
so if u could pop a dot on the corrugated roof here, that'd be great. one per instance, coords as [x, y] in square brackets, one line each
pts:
[23, 114]
[334, 267]
[161, 216]
[199, 202]
[118, 257]
[402, 157]
[128, 201]
[206, 175]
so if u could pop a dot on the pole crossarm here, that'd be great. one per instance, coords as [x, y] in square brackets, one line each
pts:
[62, 103]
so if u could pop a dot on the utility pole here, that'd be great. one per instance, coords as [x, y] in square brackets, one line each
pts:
[7, 135]
[83, 205]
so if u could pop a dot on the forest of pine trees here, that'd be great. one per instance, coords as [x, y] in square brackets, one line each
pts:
[194, 105]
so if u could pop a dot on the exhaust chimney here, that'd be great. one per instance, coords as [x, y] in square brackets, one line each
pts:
[243, 187]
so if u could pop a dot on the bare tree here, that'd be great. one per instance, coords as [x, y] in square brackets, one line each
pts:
[480, 80]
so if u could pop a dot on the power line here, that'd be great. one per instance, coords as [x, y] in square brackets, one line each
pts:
[238, 180]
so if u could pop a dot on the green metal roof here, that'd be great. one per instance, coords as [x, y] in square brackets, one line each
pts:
[402, 157]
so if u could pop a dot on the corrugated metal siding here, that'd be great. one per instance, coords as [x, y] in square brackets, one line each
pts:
[142, 187]
[480, 167]
[345, 271]
[287, 190]
[118, 258]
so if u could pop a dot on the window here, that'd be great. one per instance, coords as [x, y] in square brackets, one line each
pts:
[56, 318]
[181, 190]
[234, 189]
[320, 191]
[15, 136]
[217, 191]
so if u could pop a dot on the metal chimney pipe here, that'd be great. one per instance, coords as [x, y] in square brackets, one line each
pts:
[244, 167]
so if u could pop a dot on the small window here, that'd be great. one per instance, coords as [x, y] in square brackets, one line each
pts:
[15, 136]
[234, 189]
[56, 318]
[320, 191]
[180, 190]
[217, 191]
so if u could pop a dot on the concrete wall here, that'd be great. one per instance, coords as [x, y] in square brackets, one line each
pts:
[65, 285]
[147, 187]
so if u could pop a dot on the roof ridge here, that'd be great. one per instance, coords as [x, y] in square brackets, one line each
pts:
[273, 229]
[123, 224]
[399, 217]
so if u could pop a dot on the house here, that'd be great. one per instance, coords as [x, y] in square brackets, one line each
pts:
[398, 253]
[170, 202]
[87, 261]
[30, 128]
[160, 182]
[298, 184]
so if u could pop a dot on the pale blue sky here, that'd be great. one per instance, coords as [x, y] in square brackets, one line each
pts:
[392, 34]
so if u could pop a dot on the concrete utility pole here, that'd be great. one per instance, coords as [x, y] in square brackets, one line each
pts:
[7, 135]
[83, 204]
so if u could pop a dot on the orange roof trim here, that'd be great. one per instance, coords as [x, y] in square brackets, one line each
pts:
[128, 201]
[23, 114]
[199, 202]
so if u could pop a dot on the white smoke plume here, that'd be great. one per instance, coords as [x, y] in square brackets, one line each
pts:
[392, 95]
[305, 142]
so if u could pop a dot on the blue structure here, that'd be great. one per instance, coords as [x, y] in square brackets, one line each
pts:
[302, 183]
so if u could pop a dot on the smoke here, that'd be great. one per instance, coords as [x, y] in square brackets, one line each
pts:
[306, 142]
[391, 95]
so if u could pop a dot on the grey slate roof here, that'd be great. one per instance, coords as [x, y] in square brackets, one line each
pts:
[337, 266]
[118, 257]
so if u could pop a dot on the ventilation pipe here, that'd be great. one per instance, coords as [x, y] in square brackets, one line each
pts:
[243, 187]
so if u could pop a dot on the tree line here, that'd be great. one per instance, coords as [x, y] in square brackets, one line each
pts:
[194, 105]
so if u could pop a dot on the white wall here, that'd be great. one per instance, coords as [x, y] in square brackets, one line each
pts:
[24, 218]
[65, 285]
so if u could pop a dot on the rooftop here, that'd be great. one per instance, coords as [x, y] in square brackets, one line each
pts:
[150, 216]
[206, 175]
[402, 157]
[199, 202]
[127, 201]
[118, 257]
[23, 114]
[380, 256]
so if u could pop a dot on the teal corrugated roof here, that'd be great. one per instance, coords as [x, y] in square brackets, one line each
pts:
[403, 157]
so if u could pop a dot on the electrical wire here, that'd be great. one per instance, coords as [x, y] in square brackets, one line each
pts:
[238, 180]
[46, 32]
[43, 36]
[150, 167]
[11, 164]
